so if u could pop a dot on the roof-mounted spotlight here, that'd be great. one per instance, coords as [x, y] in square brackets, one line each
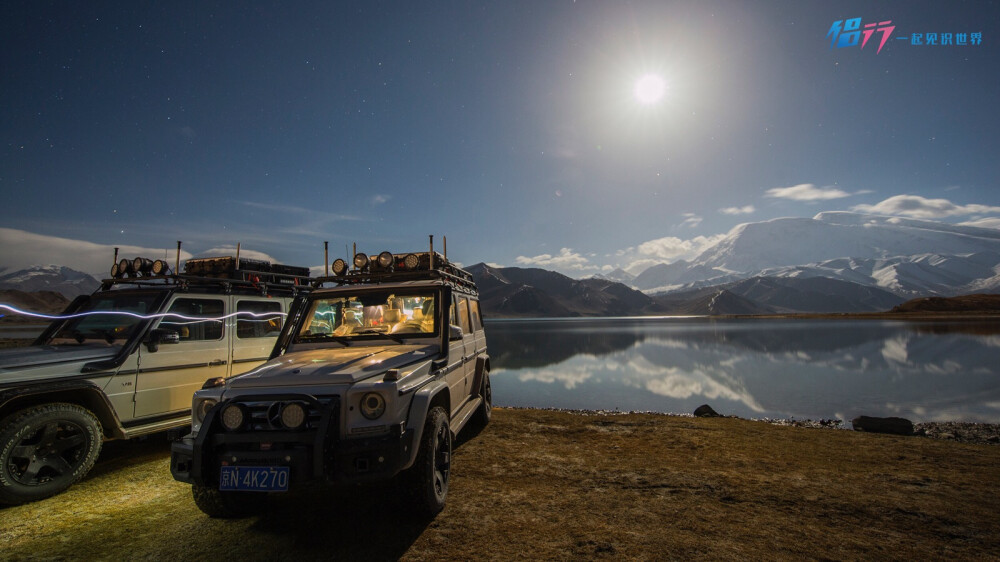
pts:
[142, 266]
[411, 261]
[339, 267]
[159, 267]
[124, 268]
[360, 260]
[385, 261]
[114, 270]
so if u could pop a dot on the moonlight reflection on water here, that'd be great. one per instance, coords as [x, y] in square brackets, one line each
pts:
[788, 368]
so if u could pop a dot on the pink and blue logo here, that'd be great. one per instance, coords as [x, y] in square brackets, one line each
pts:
[851, 33]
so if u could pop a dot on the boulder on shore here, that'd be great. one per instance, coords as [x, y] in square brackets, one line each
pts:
[705, 411]
[895, 426]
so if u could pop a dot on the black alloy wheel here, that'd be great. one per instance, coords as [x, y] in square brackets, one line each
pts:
[45, 449]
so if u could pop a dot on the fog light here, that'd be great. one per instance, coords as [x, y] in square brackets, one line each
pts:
[293, 415]
[372, 405]
[232, 417]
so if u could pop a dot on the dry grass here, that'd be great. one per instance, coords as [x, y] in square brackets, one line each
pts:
[555, 485]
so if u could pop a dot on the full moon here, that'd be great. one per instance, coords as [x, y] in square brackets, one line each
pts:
[650, 89]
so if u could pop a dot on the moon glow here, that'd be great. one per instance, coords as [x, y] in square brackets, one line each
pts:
[650, 89]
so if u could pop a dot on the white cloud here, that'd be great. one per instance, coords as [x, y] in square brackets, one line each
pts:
[567, 260]
[691, 220]
[672, 248]
[992, 222]
[806, 192]
[917, 207]
[745, 210]
[379, 199]
[231, 251]
[20, 249]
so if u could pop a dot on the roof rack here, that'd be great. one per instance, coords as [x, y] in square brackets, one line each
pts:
[227, 273]
[387, 267]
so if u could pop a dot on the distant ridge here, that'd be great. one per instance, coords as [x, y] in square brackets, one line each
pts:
[59, 279]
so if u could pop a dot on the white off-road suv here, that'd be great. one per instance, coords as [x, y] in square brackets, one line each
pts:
[125, 361]
[370, 380]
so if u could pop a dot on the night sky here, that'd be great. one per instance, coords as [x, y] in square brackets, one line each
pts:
[512, 127]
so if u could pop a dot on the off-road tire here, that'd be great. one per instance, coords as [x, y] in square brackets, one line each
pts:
[485, 411]
[227, 505]
[46, 449]
[426, 482]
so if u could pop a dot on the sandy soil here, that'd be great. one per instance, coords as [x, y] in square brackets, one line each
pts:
[540, 484]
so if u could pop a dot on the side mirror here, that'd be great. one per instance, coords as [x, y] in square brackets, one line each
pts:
[161, 335]
[455, 333]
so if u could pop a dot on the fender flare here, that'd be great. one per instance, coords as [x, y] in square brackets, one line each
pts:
[83, 393]
[432, 394]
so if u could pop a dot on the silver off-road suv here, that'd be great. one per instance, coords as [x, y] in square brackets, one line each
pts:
[125, 361]
[370, 380]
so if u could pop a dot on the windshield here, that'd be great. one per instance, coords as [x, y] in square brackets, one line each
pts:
[108, 317]
[370, 314]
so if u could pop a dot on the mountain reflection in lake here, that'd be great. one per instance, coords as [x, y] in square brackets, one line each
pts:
[792, 368]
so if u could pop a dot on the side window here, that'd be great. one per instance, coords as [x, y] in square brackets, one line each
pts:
[266, 326]
[463, 315]
[477, 319]
[186, 323]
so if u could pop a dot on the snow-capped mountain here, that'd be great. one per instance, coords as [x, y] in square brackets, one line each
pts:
[907, 257]
[64, 280]
[619, 275]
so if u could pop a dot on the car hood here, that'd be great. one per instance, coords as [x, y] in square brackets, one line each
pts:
[36, 355]
[332, 366]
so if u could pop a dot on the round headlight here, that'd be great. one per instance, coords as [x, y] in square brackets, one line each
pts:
[124, 267]
[160, 267]
[360, 261]
[372, 405]
[142, 265]
[232, 417]
[385, 260]
[201, 410]
[114, 270]
[293, 415]
[411, 261]
[339, 267]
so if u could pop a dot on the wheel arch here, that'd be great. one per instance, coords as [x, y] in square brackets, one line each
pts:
[81, 393]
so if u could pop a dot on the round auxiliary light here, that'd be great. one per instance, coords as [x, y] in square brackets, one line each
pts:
[339, 267]
[372, 405]
[114, 270]
[232, 417]
[142, 265]
[293, 415]
[160, 267]
[360, 261]
[411, 261]
[124, 267]
[385, 260]
[201, 410]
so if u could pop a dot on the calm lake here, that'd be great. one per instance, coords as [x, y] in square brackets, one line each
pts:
[753, 368]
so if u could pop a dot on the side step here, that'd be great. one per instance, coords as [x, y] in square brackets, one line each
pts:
[464, 414]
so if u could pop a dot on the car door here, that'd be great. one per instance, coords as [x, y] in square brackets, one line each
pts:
[461, 309]
[169, 376]
[256, 325]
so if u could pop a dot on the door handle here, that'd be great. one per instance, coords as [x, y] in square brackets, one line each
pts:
[217, 362]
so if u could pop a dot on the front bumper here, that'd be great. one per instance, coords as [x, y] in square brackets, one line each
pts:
[310, 456]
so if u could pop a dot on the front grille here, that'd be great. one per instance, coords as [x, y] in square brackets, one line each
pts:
[265, 412]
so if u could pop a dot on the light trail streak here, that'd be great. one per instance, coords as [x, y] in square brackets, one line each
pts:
[256, 315]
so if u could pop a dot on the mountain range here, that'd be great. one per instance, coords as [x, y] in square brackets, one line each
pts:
[833, 262]
[56, 278]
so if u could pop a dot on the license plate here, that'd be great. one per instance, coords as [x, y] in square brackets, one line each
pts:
[254, 478]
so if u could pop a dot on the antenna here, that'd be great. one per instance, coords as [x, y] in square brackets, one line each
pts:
[326, 258]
